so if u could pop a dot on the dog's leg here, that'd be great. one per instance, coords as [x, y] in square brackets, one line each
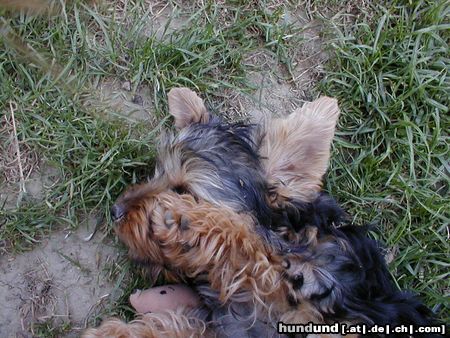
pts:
[181, 323]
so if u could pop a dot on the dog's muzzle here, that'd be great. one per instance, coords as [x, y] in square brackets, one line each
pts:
[117, 211]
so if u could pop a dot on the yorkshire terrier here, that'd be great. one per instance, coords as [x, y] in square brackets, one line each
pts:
[236, 211]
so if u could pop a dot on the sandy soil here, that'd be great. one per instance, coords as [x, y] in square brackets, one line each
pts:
[119, 96]
[60, 282]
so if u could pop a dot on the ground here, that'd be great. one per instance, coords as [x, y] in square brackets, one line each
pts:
[61, 282]
[83, 98]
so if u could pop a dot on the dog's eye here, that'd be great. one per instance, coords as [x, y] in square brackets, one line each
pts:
[180, 189]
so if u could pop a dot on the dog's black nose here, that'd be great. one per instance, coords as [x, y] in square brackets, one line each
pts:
[117, 211]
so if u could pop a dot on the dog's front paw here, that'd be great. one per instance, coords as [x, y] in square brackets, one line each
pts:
[177, 220]
[308, 281]
[172, 232]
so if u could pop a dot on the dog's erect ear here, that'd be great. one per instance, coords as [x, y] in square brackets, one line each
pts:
[296, 149]
[186, 107]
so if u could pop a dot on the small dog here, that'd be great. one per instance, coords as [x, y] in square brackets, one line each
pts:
[235, 210]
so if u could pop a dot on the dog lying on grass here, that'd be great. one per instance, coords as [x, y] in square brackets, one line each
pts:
[236, 211]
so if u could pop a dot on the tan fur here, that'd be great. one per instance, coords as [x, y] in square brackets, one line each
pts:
[296, 149]
[196, 238]
[303, 314]
[177, 324]
[216, 241]
[220, 243]
[186, 107]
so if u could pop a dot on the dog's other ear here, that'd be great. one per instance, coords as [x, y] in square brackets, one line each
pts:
[296, 149]
[186, 107]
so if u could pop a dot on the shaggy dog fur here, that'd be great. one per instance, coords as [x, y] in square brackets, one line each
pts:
[236, 211]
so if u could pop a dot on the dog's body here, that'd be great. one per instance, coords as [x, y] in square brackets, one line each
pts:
[236, 211]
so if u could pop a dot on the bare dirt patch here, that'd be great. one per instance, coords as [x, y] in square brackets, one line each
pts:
[280, 90]
[124, 102]
[61, 282]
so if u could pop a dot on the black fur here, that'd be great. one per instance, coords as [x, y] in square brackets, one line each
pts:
[361, 288]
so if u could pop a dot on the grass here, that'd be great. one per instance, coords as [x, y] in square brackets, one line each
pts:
[389, 70]
[48, 330]
[391, 163]
[95, 155]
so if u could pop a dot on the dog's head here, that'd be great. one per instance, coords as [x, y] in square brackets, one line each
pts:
[294, 150]
[249, 168]
[210, 160]
[141, 215]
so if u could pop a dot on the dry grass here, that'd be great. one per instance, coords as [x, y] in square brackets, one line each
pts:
[17, 158]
